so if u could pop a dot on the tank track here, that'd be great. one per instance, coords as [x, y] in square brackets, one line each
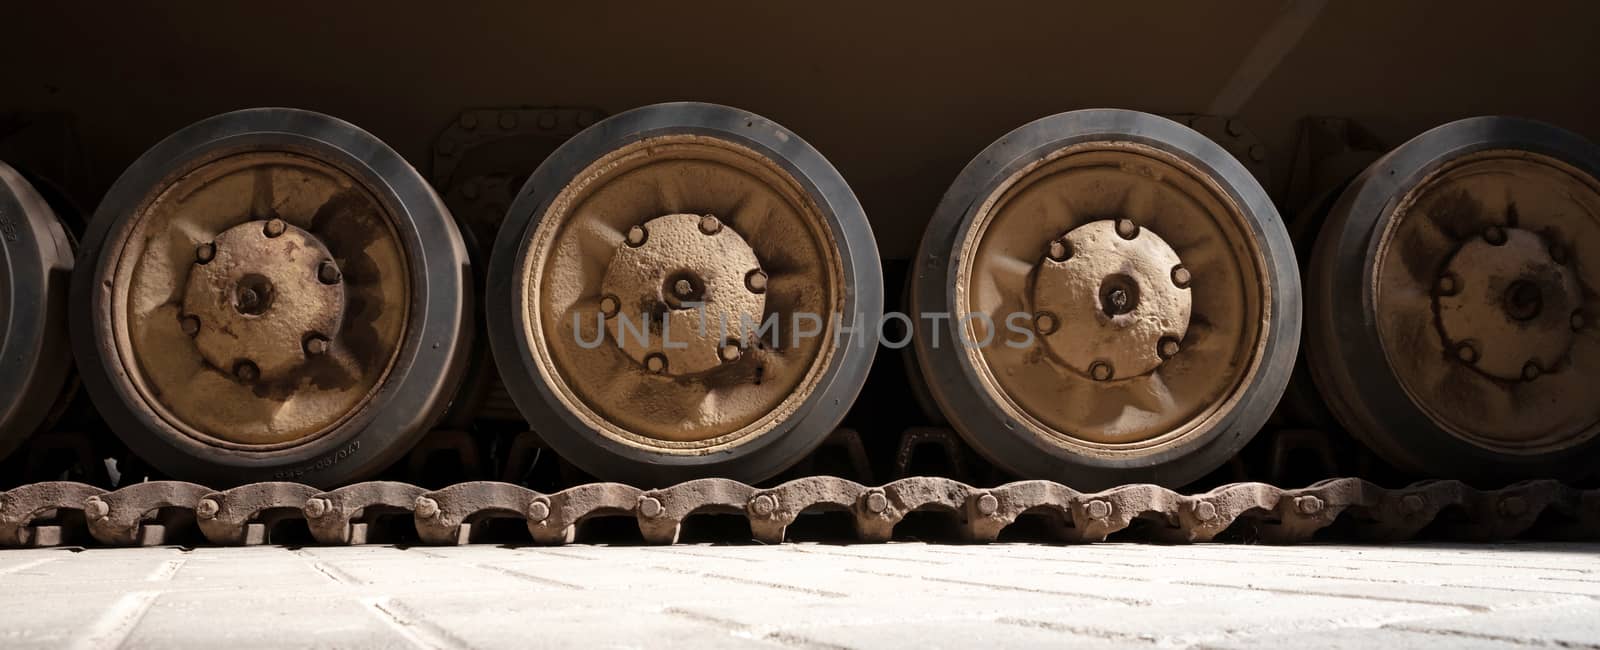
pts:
[168, 512]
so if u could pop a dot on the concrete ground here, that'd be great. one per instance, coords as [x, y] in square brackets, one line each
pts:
[909, 595]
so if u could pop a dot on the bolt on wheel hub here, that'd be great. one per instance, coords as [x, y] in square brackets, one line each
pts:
[677, 295]
[1117, 310]
[1505, 304]
[258, 300]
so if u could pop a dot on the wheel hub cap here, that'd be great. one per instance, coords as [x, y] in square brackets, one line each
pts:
[261, 298]
[1110, 305]
[1505, 304]
[689, 284]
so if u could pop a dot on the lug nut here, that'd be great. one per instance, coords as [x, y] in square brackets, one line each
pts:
[1167, 348]
[1495, 235]
[317, 508]
[609, 306]
[191, 325]
[1181, 277]
[96, 508]
[246, 371]
[1531, 371]
[1060, 250]
[650, 507]
[656, 363]
[637, 235]
[205, 252]
[756, 281]
[274, 228]
[1100, 370]
[1127, 229]
[207, 508]
[763, 505]
[1467, 352]
[1097, 509]
[316, 345]
[1308, 505]
[683, 288]
[1044, 322]
[710, 225]
[987, 504]
[538, 510]
[1205, 511]
[1447, 285]
[876, 501]
[328, 272]
[730, 352]
[426, 508]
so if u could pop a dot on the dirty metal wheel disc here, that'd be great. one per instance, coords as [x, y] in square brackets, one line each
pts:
[633, 276]
[36, 263]
[1456, 279]
[271, 294]
[1123, 301]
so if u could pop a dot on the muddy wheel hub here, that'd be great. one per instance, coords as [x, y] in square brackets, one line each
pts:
[262, 297]
[1114, 300]
[691, 286]
[1506, 303]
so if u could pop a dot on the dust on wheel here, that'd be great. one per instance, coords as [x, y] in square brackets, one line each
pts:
[36, 262]
[1453, 298]
[271, 294]
[1123, 301]
[705, 222]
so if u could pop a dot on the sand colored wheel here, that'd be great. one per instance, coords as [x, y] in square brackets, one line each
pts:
[35, 266]
[1454, 273]
[1123, 301]
[632, 281]
[262, 286]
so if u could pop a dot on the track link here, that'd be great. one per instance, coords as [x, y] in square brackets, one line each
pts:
[160, 512]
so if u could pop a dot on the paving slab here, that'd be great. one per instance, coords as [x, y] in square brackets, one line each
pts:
[805, 595]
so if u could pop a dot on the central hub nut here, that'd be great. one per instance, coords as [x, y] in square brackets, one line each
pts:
[1120, 303]
[680, 290]
[255, 296]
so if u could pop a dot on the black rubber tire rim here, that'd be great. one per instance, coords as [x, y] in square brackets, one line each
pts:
[1345, 354]
[751, 461]
[35, 358]
[434, 347]
[955, 382]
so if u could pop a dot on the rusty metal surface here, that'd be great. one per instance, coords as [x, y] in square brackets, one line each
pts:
[165, 512]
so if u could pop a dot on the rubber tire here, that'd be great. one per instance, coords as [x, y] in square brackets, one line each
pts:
[35, 358]
[954, 380]
[432, 355]
[1346, 358]
[750, 461]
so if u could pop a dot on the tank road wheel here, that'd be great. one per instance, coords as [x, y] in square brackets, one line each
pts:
[1453, 303]
[670, 217]
[36, 261]
[271, 294]
[1123, 301]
